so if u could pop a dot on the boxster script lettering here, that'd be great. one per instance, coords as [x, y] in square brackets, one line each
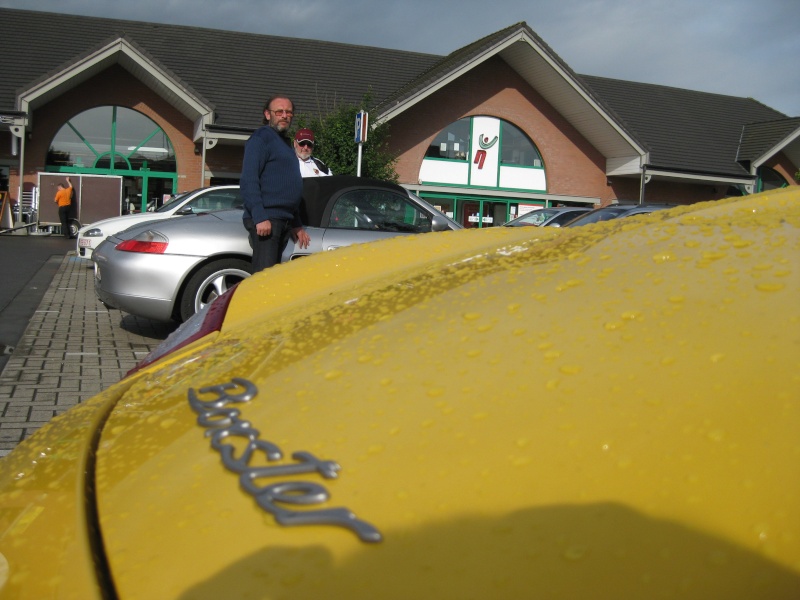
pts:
[214, 407]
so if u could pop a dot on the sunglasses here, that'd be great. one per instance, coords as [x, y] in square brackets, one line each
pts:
[306, 144]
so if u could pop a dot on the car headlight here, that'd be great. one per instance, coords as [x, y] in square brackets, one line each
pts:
[94, 232]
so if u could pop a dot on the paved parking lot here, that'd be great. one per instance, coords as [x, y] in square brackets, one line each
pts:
[72, 348]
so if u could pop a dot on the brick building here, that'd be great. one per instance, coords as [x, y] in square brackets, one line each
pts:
[136, 111]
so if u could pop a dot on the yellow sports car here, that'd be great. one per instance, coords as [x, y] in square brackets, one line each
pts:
[609, 411]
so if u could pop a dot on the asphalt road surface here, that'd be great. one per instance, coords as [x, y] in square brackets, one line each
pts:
[29, 263]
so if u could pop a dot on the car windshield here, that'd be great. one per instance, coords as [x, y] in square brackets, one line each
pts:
[601, 214]
[535, 217]
[565, 217]
[172, 202]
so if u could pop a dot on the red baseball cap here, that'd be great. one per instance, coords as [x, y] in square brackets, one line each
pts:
[304, 135]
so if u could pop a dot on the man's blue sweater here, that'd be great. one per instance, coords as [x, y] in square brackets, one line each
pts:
[271, 183]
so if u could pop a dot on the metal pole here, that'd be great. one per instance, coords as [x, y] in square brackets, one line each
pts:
[642, 184]
[21, 175]
[358, 171]
[202, 166]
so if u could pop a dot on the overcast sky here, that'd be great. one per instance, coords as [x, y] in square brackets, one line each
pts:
[735, 47]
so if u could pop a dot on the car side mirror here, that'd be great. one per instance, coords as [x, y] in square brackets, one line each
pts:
[439, 224]
[186, 210]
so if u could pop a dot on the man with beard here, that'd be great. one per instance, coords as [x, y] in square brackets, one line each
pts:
[310, 166]
[271, 186]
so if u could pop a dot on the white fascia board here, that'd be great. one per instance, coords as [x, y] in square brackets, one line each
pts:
[15, 123]
[774, 150]
[109, 55]
[211, 137]
[448, 78]
[626, 165]
[580, 90]
[489, 193]
[200, 124]
[699, 178]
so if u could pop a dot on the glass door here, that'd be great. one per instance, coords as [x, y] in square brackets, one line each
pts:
[494, 214]
[482, 213]
[134, 201]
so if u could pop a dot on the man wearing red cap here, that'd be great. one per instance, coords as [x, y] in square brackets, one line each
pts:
[310, 166]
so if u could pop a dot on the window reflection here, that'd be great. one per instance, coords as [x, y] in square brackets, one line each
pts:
[378, 210]
[518, 149]
[452, 142]
[770, 179]
[90, 139]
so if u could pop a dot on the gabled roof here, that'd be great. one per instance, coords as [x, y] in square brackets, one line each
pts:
[760, 141]
[671, 130]
[230, 74]
[234, 72]
[685, 130]
[133, 58]
[444, 68]
[520, 47]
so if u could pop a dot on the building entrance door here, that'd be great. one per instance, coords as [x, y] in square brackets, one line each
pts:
[482, 213]
[134, 200]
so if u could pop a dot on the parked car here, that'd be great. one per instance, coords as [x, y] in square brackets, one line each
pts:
[199, 201]
[615, 211]
[409, 419]
[171, 269]
[554, 216]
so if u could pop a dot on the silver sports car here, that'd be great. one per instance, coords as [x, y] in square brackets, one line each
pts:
[170, 269]
[199, 201]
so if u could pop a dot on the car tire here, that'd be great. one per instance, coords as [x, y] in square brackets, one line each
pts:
[74, 227]
[210, 282]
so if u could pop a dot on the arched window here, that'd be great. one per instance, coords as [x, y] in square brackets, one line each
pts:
[114, 140]
[770, 179]
[452, 142]
[518, 149]
[484, 152]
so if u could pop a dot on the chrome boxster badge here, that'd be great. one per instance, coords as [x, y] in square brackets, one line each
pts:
[222, 421]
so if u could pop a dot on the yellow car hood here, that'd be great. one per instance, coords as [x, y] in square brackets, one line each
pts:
[610, 411]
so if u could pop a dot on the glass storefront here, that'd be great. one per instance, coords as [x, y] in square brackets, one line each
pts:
[485, 154]
[476, 212]
[114, 140]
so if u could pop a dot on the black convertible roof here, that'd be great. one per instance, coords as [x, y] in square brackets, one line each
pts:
[318, 190]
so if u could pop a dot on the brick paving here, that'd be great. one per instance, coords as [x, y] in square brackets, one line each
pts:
[73, 348]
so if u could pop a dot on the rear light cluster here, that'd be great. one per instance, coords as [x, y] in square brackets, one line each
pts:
[148, 242]
[208, 320]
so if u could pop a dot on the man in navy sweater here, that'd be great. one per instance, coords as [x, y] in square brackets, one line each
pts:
[271, 186]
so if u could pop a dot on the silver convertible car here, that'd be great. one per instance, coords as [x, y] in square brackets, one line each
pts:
[171, 269]
[198, 201]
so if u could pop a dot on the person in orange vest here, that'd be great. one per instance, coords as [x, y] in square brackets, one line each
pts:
[64, 200]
